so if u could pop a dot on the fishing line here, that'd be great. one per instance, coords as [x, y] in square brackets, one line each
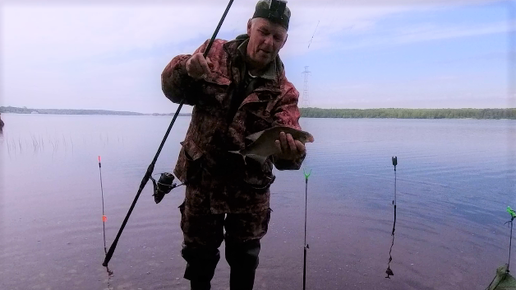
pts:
[305, 244]
[389, 270]
[104, 217]
[313, 34]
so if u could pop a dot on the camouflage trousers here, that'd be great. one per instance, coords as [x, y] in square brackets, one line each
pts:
[203, 234]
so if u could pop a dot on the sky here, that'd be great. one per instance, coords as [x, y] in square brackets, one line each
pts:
[360, 54]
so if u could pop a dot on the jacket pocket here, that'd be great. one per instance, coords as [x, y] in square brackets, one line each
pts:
[259, 184]
[259, 179]
[193, 160]
[216, 88]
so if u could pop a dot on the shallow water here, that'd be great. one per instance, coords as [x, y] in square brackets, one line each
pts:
[454, 180]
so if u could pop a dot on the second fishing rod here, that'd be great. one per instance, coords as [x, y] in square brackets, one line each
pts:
[306, 246]
[389, 271]
[150, 169]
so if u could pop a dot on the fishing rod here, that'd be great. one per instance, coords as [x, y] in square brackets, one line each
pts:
[499, 277]
[394, 163]
[389, 270]
[513, 216]
[305, 244]
[150, 169]
[104, 217]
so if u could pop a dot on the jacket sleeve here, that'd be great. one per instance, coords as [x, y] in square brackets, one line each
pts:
[175, 82]
[287, 114]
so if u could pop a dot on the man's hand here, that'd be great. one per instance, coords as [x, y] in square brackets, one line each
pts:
[288, 148]
[197, 66]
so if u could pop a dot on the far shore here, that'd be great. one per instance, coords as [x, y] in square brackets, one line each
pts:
[380, 113]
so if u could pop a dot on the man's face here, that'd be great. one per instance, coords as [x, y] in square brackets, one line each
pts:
[265, 40]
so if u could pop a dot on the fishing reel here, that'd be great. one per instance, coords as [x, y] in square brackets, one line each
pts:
[163, 186]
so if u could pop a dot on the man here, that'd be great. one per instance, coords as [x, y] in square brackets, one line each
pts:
[240, 88]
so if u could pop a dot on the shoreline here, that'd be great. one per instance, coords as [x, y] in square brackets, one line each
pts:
[379, 113]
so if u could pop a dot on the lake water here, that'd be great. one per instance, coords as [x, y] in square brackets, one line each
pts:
[454, 180]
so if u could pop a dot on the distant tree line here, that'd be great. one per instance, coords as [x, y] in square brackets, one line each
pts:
[318, 113]
[25, 110]
[410, 113]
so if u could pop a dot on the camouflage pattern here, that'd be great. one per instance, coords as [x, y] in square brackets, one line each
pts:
[206, 230]
[219, 182]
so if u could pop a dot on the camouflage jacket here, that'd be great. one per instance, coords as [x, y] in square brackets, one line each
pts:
[218, 181]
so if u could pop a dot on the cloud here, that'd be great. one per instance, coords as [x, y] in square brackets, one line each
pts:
[396, 36]
[95, 54]
[322, 27]
[445, 90]
[133, 85]
[437, 32]
[85, 55]
[72, 32]
[65, 32]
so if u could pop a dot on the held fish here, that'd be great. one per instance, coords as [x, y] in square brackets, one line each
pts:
[263, 144]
